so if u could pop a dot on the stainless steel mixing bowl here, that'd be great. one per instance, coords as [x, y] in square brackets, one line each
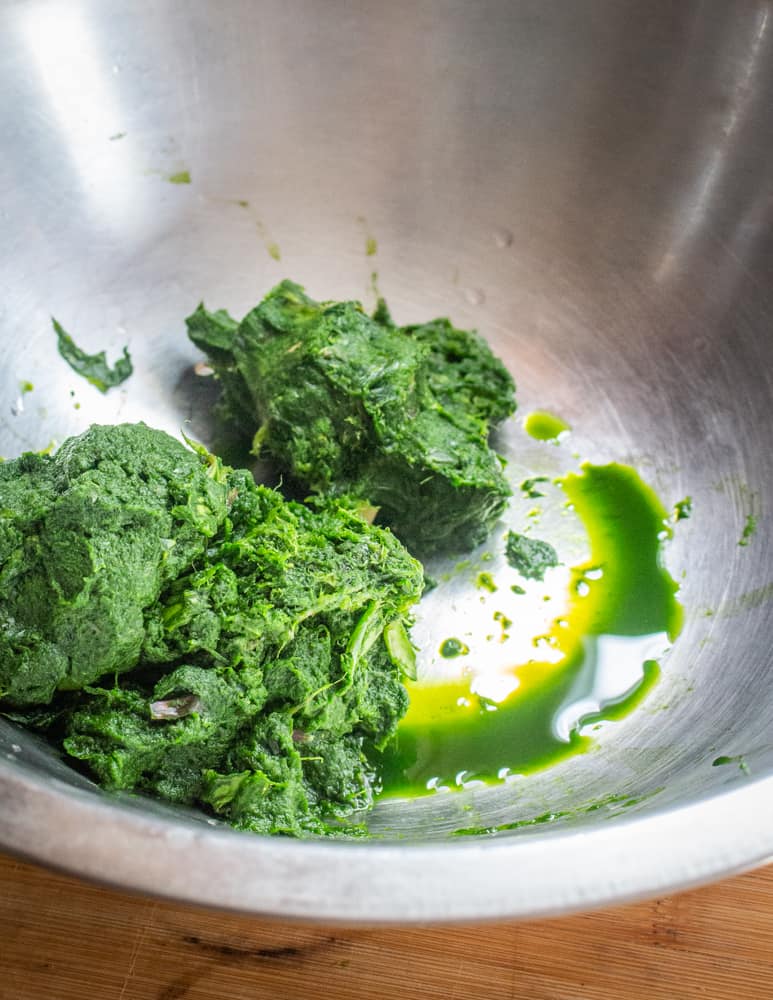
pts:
[590, 185]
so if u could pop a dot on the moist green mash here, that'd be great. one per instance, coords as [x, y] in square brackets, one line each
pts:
[183, 631]
[352, 404]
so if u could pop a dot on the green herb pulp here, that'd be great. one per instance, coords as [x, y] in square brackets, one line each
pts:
[191, 634]
[529, 487]
[93, 367]
[683, 509]
[530, 556]
[349, 404]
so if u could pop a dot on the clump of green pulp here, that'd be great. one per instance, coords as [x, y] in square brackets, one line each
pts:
[530, 556]
[350, 404]
[188, 633]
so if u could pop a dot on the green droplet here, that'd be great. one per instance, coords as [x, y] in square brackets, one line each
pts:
[544, 426]
[453, 647]
[485, 581]
[181, 177]
[25, 387]
[371, 247]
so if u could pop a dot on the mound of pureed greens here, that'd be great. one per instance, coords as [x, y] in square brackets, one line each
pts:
[184, 631]
[349, 404]
[179, 630]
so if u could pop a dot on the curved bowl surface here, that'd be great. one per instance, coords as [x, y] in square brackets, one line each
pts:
[591, 186]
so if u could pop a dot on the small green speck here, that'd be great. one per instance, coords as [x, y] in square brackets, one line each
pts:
[683, 509]
[242, 203]
[181, 177]
[453, 647]
[737, 759]
[518, 589]
[76, 406]
[116, 136]
[270, 245]
[371, 247]
[25, 387]
[505, 622]
[485, 581]
[529, 487]
[748, 530]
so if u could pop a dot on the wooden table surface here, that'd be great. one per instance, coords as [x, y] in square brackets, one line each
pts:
[61, 939]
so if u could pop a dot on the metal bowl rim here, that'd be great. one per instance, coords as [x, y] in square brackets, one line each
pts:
[376, 882]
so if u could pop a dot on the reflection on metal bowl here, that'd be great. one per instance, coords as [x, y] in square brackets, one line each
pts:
[591, 186]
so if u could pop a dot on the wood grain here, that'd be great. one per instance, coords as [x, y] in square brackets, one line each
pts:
[66, 940]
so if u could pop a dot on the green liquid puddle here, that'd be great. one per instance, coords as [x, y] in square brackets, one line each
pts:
[623, 614]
